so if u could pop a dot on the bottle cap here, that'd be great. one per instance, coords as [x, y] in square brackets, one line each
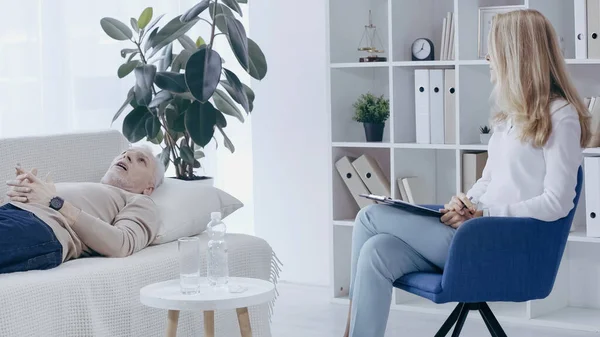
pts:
[215, 216]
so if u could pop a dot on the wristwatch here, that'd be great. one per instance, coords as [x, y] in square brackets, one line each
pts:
[56, 203]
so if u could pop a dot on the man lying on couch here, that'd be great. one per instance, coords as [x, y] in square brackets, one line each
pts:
[46, 224]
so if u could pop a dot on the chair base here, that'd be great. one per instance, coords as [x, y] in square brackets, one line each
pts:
[459, 315]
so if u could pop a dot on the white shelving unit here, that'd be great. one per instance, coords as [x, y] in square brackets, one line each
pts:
[575, 300]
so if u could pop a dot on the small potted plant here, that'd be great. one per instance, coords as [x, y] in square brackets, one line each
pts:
[484, 134]
[373, 112]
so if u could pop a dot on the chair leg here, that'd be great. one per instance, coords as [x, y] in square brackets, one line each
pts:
[449, 323]
[490, 321]
[461, 320]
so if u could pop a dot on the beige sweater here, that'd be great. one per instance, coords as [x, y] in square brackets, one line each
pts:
[112, 222]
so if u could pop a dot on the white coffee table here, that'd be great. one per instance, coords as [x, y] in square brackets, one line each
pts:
[166, 295]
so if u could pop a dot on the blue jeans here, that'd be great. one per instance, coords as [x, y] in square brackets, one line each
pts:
[388, 243]
[26, 242]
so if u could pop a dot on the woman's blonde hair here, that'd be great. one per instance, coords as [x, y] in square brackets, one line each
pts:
[530, 74]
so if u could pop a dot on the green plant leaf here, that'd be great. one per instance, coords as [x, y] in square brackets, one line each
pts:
[134, 25]
[145, 17]
[144, 78]
[233, 5]
[200, 42]
[187, 43]
[193, 12]
[180, 60]
[198, 154]
[257, 63]
[187, 154]
[167, 58]
[128, 100]
[220, 119]
[200, 120]
[226, 105]
[158, 139]
[134, 124]
[154, 22]
[149, 40]
[161, 97]
[170, 32]
[152, 127]
[126, 51]
[236, 34]
[236, 89]
[116, 29]
[202, 73]
[126, 68]
[250, 95]
[171, 81]
[132, 56]
[227, 141]
[165, 155]
[219, 17]
[242, 1]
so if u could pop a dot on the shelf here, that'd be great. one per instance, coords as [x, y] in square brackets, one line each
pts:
[362, 145]
[592, 150]
[473, 63]
[571, 318]
[580, 236]
[582, 61]
[359, 65]
[347, 223]
[424, 146]
[474, 147]
[341, 300]
[446, 64]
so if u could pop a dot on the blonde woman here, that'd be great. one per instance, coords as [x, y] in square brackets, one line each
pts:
[540, 127]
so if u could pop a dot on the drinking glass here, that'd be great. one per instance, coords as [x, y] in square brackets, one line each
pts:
[189, 265]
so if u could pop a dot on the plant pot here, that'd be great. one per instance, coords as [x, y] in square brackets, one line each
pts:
[485, 138]
[201, 180]
[374, 132]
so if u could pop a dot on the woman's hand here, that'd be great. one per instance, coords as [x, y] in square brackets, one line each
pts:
[455, 220]
[31, 189]
[458, 203]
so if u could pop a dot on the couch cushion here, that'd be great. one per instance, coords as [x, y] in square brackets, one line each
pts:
[185, 207]
[427, 282]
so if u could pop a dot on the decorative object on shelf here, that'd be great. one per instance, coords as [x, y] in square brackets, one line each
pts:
[373, 112]
[175, 102]
[485, 134]
[486, 14]
[422, 50]
[448, 32]
[370, 38]
[593, 104]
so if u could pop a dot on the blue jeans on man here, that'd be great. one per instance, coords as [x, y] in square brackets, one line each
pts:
[26, 242]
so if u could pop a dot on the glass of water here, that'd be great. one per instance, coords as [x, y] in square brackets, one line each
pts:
[189, 265]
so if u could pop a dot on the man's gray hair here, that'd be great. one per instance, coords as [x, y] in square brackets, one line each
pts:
[159, 173]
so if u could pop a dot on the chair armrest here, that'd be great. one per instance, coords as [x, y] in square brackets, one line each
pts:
[504, 259]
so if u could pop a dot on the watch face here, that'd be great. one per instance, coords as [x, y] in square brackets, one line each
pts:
[421, 49]
[56, 203]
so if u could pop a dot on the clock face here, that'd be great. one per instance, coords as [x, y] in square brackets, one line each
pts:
[421, 49]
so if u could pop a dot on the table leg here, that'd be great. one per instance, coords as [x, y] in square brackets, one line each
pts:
[244, 320]
[172, 320]
[209, 323]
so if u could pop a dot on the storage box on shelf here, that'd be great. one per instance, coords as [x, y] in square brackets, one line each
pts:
[575, 300]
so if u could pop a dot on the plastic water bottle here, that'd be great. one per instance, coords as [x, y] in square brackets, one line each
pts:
[218, 270]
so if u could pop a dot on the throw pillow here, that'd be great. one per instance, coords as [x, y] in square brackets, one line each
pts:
[185, 207]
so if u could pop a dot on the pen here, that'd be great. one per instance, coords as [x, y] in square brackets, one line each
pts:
[462, 202]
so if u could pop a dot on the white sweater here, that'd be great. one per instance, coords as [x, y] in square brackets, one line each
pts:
[520, 180]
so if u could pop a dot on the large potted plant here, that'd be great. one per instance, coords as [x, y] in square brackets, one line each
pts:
[373, 112]
[180, 100]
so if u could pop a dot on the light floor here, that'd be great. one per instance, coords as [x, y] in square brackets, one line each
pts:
[305, 311]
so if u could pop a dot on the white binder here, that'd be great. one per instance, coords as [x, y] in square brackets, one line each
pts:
[372, 175]
[436, 105]
[580, 29]
[451, 38]
[449, 107]
[443, 44]
[593, 29]
[592, 195]
[402, 190]
[422, 106]
[353, 182]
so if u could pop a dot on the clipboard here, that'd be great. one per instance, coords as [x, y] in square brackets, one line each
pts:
[403, 205]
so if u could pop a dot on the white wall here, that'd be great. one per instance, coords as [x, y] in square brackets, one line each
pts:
[290, 136]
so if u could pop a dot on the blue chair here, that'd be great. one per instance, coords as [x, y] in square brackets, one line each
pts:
[495, 259]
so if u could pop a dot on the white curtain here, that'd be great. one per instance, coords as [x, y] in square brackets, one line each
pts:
[58, 73]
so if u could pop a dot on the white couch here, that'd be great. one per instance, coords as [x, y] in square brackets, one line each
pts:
[100, 296]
